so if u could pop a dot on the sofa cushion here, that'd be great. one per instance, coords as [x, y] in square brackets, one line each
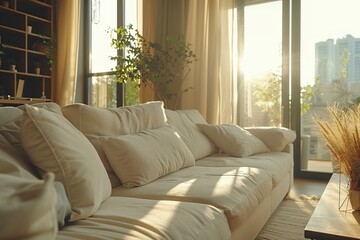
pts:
[184, 121]
[140, 158]
[152, 219]
[54, 145]
[27, 207]
[278, 164]
[94, 122]
[10, 122]
[275, 138]
[233, 140]
[11, 163]
[237, 191]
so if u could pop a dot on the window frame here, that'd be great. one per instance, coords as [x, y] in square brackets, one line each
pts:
[88, 74]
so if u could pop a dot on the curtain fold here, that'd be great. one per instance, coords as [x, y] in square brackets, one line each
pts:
[211, 28]
[68, 25]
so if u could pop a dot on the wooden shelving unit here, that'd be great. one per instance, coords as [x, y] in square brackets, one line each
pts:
[22, 47]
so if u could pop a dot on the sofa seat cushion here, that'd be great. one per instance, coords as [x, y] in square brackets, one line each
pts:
[278, 164]
[94, 122]
[152, 219]
[184, 121]
[237, 191]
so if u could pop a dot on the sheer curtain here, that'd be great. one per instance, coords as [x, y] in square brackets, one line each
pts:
[67, 51]
[211, 28]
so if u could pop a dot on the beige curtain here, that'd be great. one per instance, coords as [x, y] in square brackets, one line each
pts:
[162, 18]
[211, 28]
[67, 51]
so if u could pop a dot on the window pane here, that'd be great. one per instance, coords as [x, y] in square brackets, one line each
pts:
[104, 15]
[103, 92]
[330, 57]
[103, 18]
[262, 58]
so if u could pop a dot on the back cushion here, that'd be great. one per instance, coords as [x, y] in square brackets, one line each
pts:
[184, 122]
[95, 122]
[10, 138]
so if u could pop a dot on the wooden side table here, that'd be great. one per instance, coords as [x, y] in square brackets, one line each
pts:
[328, 221]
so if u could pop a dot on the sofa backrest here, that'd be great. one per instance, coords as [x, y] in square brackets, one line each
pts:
[10, 137]
[184, 122]
[96, 122]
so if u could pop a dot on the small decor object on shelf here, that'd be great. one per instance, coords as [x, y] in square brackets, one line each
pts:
[43, 96]
[20, 89]
[36, 66]
[5, 3]
[342, 136]
[29, 29]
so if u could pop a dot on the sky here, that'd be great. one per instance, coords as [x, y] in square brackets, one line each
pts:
[320, 20]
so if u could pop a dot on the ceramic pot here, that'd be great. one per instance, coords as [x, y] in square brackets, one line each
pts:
[354, 197]
[12, 67]
[37, 70]
[5, 4]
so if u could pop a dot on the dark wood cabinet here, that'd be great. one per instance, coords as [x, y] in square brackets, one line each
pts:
[28, 42]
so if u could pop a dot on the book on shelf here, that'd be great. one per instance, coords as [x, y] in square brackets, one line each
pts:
[20, 88]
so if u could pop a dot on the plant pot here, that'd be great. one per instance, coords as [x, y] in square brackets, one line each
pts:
[40, 48]
[5, 4]
[12, 67]
[37, 71]
[354, 197]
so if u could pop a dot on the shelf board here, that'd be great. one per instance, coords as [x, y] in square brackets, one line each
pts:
[12, 29]
[22, 101]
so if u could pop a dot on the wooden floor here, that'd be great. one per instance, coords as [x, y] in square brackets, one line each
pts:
[308, 187]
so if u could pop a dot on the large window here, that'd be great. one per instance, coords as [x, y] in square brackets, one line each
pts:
[105, 16]
[262, 64]
[330, 38]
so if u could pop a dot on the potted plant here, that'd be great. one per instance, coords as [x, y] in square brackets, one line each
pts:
[341, 134]
[151, 64]
[11, 64]
[47, 46]
[42, 45]
[5, 3]
[36, 66]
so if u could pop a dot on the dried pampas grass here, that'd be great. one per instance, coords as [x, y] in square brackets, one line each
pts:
[341, 135]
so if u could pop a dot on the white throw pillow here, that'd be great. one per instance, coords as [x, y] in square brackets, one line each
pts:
[233, 140]
[94, 122]
[145, 156]
[27, 207]
[275, 138]
[54, 145]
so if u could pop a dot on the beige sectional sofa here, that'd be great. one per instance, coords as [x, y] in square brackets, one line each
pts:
[139, 172]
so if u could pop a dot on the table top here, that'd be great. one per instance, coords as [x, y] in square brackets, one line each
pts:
[330, 222]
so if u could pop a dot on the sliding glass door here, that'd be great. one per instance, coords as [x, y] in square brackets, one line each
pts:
[329, 70]
[263, 64]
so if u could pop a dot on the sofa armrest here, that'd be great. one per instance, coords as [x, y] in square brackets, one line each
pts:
[276, 139]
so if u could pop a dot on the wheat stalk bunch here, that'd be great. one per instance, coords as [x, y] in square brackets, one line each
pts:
[341, 136]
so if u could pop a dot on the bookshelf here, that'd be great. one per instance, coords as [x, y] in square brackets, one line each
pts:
[27, 39]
